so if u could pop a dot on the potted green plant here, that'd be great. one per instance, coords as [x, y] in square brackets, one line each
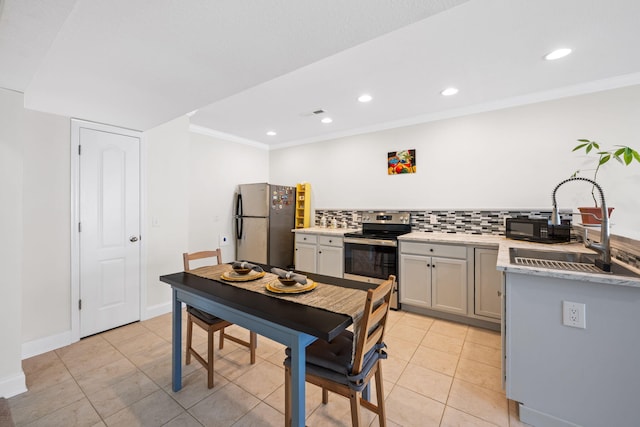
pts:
[623, 154]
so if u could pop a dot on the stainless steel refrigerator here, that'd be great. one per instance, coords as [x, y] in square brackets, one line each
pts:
[264, 218]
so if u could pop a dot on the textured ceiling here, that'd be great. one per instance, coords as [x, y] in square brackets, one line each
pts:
[252, 66]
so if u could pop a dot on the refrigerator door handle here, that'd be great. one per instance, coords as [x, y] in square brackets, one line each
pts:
[239, 216]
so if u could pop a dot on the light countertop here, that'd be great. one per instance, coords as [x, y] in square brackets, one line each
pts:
[326, 230]
[504, 262]
[503, 245]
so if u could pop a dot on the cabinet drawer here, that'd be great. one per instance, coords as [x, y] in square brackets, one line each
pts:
[330, 240]
[432, 249]
[306, 238]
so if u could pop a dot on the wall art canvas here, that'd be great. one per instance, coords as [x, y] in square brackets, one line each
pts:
[403, 161]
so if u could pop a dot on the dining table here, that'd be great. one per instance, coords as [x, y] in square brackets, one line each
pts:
[278, 317]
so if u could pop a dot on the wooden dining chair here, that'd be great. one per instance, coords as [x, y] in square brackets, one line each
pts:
[328, 364]
[210, 324]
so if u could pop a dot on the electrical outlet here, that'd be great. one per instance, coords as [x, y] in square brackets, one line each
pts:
[223, 240]
[573, 314]
[433, 219]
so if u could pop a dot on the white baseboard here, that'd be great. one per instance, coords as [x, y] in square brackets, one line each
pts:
[157, 310]
[53, 342]
[42, 345]
[13, 385]
[537, 418]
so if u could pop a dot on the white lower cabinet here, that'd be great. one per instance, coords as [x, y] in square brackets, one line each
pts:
[320, 254]
[488, 283]
[330, 259]
[434, 276]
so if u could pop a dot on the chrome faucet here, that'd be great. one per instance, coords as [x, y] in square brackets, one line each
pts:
[603, 248]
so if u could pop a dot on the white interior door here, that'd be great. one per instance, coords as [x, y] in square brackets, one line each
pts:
[109, 228]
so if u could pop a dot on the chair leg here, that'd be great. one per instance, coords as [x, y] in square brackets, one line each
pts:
[382, 414]
[354, 398]
[210, 358]
[253, 341]
[325, 396]
[189, 336]
[287, 396]
[221, 343]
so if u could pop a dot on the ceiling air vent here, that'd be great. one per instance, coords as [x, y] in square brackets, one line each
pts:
[317, 112]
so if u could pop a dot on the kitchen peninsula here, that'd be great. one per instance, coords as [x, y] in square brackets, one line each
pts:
[560, 375]
[565, 375]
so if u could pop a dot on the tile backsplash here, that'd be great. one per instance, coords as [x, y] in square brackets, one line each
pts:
[480, 222]
[448, 221]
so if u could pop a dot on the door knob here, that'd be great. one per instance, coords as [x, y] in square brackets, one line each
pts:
[133, 239]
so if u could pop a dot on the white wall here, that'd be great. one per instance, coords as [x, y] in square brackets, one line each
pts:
[166, 176]
[46, 226]
[215, 169]
[12, 379]
[510, 158]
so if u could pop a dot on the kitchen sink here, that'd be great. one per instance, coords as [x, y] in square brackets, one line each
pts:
[567, 261]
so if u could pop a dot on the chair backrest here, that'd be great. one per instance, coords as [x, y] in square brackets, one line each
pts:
[186, 257]
[374, 320]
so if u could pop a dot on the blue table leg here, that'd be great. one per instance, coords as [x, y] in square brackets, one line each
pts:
[298, 362]
[176, 338]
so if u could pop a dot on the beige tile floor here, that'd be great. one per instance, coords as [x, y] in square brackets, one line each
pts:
[438, 373]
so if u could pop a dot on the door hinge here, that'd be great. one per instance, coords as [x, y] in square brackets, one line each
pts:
[79, 304]
[79, 150]
[79, 227]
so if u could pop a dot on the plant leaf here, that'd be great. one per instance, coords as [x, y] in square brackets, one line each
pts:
[579, 147]
[604, 159]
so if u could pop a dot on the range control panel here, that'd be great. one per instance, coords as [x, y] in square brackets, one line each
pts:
[386, 218]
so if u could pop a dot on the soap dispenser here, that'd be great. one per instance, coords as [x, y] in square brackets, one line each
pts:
[323, 222]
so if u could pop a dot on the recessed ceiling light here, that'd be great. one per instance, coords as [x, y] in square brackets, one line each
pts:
[557, 54]
[326, 120]
[365, 97]
[449, 91]
[271, 133]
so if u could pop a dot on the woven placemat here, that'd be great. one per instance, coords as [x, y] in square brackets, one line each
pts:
[325, 296]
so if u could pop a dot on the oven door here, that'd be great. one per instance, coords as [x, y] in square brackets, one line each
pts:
[366, 259]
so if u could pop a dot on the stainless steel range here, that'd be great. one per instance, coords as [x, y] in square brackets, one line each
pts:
[372, 254]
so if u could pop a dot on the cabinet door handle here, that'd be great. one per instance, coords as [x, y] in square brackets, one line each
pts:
[428, 265]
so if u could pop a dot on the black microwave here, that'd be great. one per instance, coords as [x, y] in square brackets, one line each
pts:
[537, 230]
